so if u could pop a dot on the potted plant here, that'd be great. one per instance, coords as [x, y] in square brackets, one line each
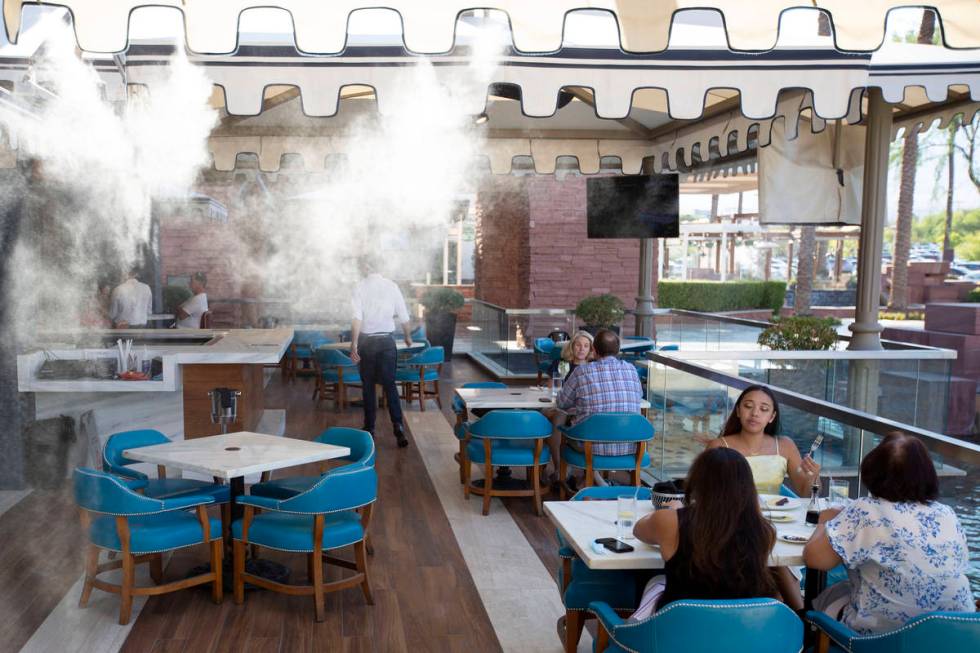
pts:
[441, 305]
[600, 312]
[800, 333]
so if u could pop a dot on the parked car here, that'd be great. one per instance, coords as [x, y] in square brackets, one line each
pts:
[971, 276]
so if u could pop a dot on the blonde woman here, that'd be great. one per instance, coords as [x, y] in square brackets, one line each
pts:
[576, 351]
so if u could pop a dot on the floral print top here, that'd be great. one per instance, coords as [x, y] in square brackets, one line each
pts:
[903, 559]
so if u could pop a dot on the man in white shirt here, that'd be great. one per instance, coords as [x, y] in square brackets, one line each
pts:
[131, 303]
[376, 302]
[189, 313]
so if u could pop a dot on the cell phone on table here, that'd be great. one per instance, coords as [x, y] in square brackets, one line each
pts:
[614, 545]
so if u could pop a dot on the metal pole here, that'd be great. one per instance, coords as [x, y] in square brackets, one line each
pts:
[865, 327]
[644, 298]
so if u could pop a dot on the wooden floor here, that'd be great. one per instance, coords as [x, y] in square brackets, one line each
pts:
[425, 599]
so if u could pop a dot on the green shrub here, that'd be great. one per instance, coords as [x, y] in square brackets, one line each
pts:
[714, 296]
[800, 333]
[440, 299]
[600, 310]
[174, 296]
[901, 315]
[974, 296]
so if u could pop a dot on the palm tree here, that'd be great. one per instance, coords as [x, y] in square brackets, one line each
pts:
[804, 270]
[899, 298]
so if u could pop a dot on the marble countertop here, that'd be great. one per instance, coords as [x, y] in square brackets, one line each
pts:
[235, 346]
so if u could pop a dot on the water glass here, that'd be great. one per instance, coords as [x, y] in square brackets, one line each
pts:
[839, 493]
[555, 385]
[625, 516]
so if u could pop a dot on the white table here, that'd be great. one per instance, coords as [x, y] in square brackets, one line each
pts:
[527, 398]
[399, 345]
[232, 456]
[582, 522]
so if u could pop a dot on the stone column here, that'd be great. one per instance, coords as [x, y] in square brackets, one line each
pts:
[644, 298]
[866, 329]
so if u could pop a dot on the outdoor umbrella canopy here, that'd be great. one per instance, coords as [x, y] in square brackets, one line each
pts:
[671, 109]
[429, 25]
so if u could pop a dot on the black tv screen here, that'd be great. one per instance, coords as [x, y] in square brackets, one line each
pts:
[644, 206]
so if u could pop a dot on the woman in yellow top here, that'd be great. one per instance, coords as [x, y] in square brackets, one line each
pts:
[751, 430]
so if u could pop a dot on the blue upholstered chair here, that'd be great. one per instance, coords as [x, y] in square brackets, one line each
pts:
[333, 514]
[544, 350]
[362, 453]
[500, 438]
[641, 369]
[580, 585]
[953, 632]
[141, 529]
[114, 462]
[459, 429]
[335, 372]
[636, 353]
[606, 428]
[698, 626]
[419, 370]
[302, 350]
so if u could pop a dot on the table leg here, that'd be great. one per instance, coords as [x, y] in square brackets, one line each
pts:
[816, 582]
[237, 489]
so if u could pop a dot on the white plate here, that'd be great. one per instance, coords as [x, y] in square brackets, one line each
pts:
[792, 538]
[779, 517]
[769, 502]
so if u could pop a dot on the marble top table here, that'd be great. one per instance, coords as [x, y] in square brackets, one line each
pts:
[632, 345]
[235, 455]
[399, 345]
[582, 522]
[526, 398]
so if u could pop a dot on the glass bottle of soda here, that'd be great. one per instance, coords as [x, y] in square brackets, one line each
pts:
[813, 508]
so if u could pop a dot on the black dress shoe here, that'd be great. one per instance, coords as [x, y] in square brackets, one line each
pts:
[400, 436]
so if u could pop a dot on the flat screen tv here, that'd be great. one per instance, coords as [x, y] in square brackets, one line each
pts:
[643, 206]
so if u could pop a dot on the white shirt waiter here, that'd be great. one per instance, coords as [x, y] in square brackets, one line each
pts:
[376, 302]
[132, 303]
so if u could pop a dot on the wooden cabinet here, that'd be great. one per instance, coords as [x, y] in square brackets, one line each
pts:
[198, 380]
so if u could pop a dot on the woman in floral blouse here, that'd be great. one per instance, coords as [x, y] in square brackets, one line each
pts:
[905, 553]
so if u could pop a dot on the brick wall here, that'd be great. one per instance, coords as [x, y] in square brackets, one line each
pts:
[565, 265]
[502, 242]
[192, 243]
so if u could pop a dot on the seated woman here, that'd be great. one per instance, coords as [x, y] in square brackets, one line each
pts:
[718, 545]
[905, 553]
[752, 430]
[576, 351]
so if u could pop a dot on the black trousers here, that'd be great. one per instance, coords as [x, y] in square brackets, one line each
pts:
[379, 358]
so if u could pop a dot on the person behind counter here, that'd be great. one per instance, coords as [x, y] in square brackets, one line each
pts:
[96, 314]
[189, 313]
[131, 303]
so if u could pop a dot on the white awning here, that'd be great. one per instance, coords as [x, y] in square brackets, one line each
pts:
[430, 25]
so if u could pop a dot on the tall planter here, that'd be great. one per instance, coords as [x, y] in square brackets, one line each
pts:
[440, 330]
[440, 305]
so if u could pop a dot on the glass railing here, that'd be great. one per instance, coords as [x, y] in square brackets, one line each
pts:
[690, 401]
[912, 386]
[503, 338]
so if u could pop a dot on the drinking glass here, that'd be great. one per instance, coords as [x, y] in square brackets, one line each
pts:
[839, 493]
[625, 516]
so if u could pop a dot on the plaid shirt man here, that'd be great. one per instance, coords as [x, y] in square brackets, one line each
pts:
[608, 385]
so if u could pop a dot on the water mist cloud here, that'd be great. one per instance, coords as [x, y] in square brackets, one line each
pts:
[394, 193]
[98, 168]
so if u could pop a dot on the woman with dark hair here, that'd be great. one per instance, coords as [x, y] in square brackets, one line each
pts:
[905, 553]
[752, 429]
[715, 547]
